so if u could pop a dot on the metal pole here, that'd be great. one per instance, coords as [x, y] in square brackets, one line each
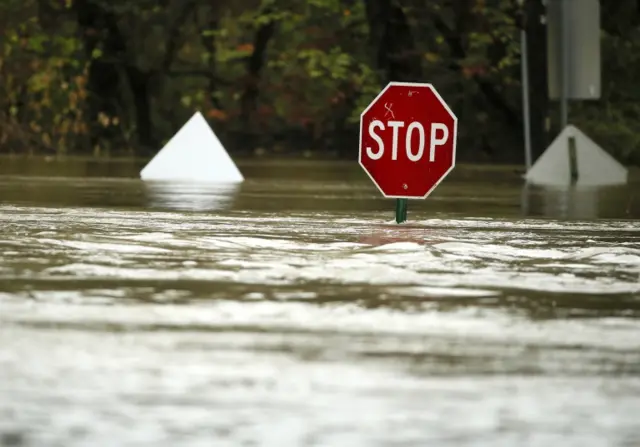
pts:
[525, 97]
[564, 100]
[401, 210]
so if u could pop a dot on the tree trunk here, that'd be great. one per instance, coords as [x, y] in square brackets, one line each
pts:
[100, 25]
[393, 42]
[139, 81]
[208, 42]
[255, 64]
[104, 78]
[254, 67]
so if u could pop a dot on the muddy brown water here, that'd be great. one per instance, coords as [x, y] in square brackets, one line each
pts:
[291, 311]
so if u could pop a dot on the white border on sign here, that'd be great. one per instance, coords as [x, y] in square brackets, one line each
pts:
[455, 134]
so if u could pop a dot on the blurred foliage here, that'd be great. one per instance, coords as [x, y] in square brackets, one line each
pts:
[120, 77]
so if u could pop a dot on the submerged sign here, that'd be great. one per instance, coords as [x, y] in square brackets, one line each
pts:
[407, 140]
[193, 154]
[573, 158]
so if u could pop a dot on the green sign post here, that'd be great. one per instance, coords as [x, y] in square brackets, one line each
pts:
[401, 210]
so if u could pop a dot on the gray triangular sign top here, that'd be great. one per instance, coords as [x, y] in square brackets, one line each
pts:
[193, 154]
[593, 166]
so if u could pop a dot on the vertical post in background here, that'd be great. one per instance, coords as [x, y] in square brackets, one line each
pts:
[565, 44]
[525, 91]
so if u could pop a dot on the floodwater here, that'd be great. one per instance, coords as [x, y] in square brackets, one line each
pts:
[291, 311]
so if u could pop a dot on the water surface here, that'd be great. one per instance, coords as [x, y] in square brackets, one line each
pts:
[291, 311]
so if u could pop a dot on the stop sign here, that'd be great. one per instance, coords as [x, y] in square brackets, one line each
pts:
[408, 140]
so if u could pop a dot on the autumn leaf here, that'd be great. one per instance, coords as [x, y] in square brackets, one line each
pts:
[217, 114]
[245, 47]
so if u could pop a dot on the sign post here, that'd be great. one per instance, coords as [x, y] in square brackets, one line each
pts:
[401, 210]
[407, 142]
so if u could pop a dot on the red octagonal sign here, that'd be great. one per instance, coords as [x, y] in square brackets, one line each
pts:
[408, 140]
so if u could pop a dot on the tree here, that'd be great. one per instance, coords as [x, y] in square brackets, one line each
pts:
[119, 77]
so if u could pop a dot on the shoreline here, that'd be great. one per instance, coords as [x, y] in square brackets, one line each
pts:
[122, 166]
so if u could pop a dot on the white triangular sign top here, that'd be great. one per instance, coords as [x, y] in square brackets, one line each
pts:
[595, 167]
[193, 154]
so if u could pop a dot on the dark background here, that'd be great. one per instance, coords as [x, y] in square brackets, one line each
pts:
[118, 77]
